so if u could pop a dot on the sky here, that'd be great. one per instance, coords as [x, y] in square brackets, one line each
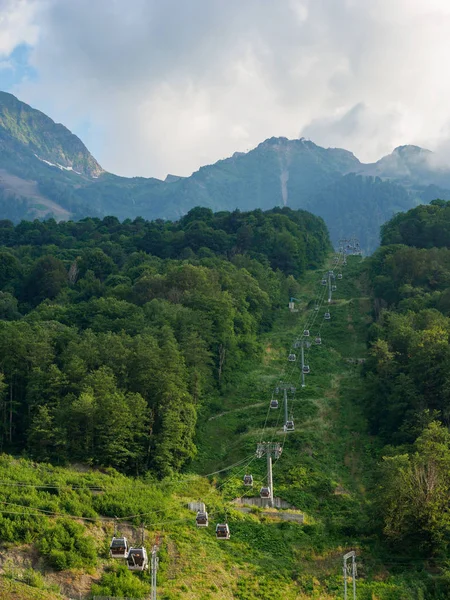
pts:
[165, 86]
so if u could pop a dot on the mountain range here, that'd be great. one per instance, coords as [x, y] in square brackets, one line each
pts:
[46, 171]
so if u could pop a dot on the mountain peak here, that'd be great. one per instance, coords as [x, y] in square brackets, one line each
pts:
[410, 150]
[22, 126]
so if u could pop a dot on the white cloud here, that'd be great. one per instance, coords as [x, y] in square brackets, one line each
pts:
[17, 24]
[169, 86]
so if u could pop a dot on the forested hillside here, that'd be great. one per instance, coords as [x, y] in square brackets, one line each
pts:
[113, 334]
[139, 364]
[408, 381]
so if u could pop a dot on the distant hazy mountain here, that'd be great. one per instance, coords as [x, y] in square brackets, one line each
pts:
[45, 170]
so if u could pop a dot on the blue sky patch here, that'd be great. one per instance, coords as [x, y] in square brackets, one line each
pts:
[16, 68]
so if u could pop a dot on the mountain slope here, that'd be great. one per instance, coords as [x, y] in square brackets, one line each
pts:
[67, 182]
[29, 129]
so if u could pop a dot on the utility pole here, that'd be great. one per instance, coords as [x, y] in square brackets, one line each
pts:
[154, 569]
[269, 449]
[345, 569]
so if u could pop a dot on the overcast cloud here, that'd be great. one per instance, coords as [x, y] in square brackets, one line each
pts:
[158, 86]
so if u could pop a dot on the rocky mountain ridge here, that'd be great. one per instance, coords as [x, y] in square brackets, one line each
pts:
[330, 182]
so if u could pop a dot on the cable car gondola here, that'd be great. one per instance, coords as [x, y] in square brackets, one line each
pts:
[248, 480]
[291, 358]
[201, 519]
[318, 340]
[306, 332]
[222, 531]
[118, 547]
[339, 275]
[327, 316]
[137, 559]
[289, 426]
[324, 281]
[333, 288]
[274, 403]
[306, 369]
[297, 344]
[265, 492]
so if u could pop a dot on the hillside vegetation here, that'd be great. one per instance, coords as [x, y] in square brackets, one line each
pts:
[62, 527]
[407, 397]
[107, 351]
[138, 364]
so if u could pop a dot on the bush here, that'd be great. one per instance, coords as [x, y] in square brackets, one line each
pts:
[66, 546]
[120, 582]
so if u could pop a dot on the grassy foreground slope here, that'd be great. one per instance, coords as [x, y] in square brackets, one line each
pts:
[55, 530]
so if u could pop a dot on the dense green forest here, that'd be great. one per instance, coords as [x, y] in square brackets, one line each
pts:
[408, 376]
[112, 334]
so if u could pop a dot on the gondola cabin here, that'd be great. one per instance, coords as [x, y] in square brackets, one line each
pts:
[274, 403]
[306, 369]
[318, 340]
[333, 288]
[339, 275]
[201, 519]
[289, 426]
[297, 344]
[118, 547]
[327, 316]
[248, 480]
[291, 358]
[265, 492]
[137, 559]
[222, 531]
[324, 282]
[306, 332]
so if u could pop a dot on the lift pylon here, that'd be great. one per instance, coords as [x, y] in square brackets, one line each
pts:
[286, 387]
[269, 449]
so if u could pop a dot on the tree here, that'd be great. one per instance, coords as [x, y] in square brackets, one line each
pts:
[414, 492]
[46, 280]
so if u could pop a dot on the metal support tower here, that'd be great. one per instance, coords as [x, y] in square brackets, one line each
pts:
[154, 569]
[303, 364]
[285, 405]
[269, 449]
[345, 569]
[285, 387]
[329, 286]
